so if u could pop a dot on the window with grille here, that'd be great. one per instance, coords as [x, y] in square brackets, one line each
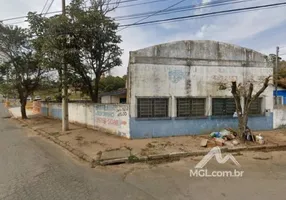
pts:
[279, 100]
[152, 107]
[191, 107]
[255, 107]
[223, 106]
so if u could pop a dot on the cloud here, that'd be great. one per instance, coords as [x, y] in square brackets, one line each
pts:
[206, 1]
[241, 28]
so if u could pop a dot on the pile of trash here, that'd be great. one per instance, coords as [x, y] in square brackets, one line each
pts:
[229, 137]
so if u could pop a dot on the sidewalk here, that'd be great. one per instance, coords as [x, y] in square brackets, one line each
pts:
[104, 148]
[16, 111]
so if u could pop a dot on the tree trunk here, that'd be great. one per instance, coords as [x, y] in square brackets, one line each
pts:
[242, 125]
[23, 107]
[94, 96]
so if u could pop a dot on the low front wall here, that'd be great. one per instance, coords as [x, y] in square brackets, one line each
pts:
[177, 127]
[279, 117]
[113, 118]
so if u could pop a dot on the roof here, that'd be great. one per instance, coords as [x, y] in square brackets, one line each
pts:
[201, 49]
[122, 91]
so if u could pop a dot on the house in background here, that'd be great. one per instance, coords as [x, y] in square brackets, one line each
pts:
[114, 97]
[281, 95]
[184, 88]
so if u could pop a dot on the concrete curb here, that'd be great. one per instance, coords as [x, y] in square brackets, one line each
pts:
[166, 156]
[194, 154]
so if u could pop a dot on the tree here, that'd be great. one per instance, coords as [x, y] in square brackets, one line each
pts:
[94, 42]
[48, 33]
[245, 93]
[111, 83]
[85, 39]
[23, 65]
[282, 74]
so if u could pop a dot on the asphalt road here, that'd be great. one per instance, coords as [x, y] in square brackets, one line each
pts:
[33, 168]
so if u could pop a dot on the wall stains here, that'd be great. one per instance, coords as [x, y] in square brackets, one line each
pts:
[176, 75]
[188, 82]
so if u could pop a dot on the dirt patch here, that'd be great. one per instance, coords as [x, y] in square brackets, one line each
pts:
[94, 143]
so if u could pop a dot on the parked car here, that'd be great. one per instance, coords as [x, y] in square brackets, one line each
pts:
[37, 98]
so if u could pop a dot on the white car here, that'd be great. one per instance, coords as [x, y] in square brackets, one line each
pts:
[37, 98]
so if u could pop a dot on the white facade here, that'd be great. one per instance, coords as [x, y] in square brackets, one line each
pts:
[196, 69]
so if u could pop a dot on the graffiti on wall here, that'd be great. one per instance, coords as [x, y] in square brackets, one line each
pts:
[113, 122]
[122, 111]
[111, 115]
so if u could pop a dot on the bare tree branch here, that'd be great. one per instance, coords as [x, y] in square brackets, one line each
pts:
[265, 85]
[236, 95]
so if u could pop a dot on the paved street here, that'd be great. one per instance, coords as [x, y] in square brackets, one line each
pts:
[34, 168]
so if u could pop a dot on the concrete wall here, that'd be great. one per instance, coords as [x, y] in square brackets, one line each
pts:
[279, 116]
[194, 69]
[113, 118]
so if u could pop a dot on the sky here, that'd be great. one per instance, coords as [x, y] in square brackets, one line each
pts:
[261, 30]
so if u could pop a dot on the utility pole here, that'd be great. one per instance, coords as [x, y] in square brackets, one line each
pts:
[276, 75]
[65, 110]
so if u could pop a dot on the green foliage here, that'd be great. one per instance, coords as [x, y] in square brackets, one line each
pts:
[85, 38]
[22, 68]
[111, 83]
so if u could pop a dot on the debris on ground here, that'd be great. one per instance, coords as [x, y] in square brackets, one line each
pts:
[204, 142]
[235, 142]
[259, 139]
[229, 137]
[219, 141]
[215, 135]
[229, 143]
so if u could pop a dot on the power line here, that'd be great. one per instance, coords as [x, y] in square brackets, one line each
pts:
[200, 17]
[49, 7]
[138, 4]
[55, 12]
[173, 5]
[21, 17]
[204, 15]
[44, 6]
[182, 9]
[169, 11]
[238, 10]
[219, 13]
[127, 1]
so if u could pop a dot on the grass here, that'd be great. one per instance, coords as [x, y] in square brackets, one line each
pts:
[54, 91]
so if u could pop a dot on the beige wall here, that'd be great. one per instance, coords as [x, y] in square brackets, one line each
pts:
[111, 99]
